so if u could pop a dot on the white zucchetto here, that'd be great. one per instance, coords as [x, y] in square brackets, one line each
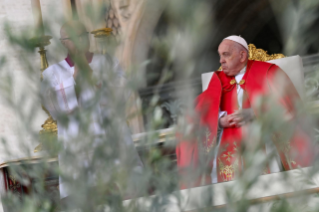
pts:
[239, 40]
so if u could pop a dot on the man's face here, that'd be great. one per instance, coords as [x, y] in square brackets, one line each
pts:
[76, 41]
[230, 58]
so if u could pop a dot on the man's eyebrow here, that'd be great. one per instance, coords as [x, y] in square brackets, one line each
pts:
[225, 52]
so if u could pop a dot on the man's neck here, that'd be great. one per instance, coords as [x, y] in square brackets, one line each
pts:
[242, 69]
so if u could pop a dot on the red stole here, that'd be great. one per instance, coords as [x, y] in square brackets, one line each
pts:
[228, 160]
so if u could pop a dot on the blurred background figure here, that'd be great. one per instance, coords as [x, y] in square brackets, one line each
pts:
[73, 86]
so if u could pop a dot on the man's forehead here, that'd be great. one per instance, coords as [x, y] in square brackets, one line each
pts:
[225, 45]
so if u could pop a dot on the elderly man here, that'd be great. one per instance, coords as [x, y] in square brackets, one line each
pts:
[231, 100]
[77, 86]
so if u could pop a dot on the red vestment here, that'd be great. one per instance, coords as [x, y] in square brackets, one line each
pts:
[260, 80]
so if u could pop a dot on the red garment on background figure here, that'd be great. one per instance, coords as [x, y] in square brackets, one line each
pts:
[221, 94]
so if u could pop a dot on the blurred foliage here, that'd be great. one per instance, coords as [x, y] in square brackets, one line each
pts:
[110, 174]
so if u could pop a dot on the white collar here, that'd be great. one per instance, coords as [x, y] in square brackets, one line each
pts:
[240, 75]
[243, 70]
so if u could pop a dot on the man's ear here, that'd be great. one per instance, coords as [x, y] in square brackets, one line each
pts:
[243, 56]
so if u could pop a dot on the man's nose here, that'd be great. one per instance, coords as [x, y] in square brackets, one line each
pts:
[221, 60]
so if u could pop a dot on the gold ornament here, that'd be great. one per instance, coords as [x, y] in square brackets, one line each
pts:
[227, 172]
[241, 82]
[101, 33]
[233, 81]
[208, 135]
[261, 55]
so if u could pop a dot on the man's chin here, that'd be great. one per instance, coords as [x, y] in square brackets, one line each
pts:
[226, 72]
[229, 74]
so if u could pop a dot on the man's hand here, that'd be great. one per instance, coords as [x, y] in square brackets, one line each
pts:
[237, 119]
[227, 121]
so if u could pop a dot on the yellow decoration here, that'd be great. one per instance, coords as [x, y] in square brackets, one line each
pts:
[233, 81]
[209, 147]
[241, 82]
[227, 172]
[261, 55]
[101, 33]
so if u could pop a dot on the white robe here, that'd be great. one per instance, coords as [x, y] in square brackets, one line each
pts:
[58, 91]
